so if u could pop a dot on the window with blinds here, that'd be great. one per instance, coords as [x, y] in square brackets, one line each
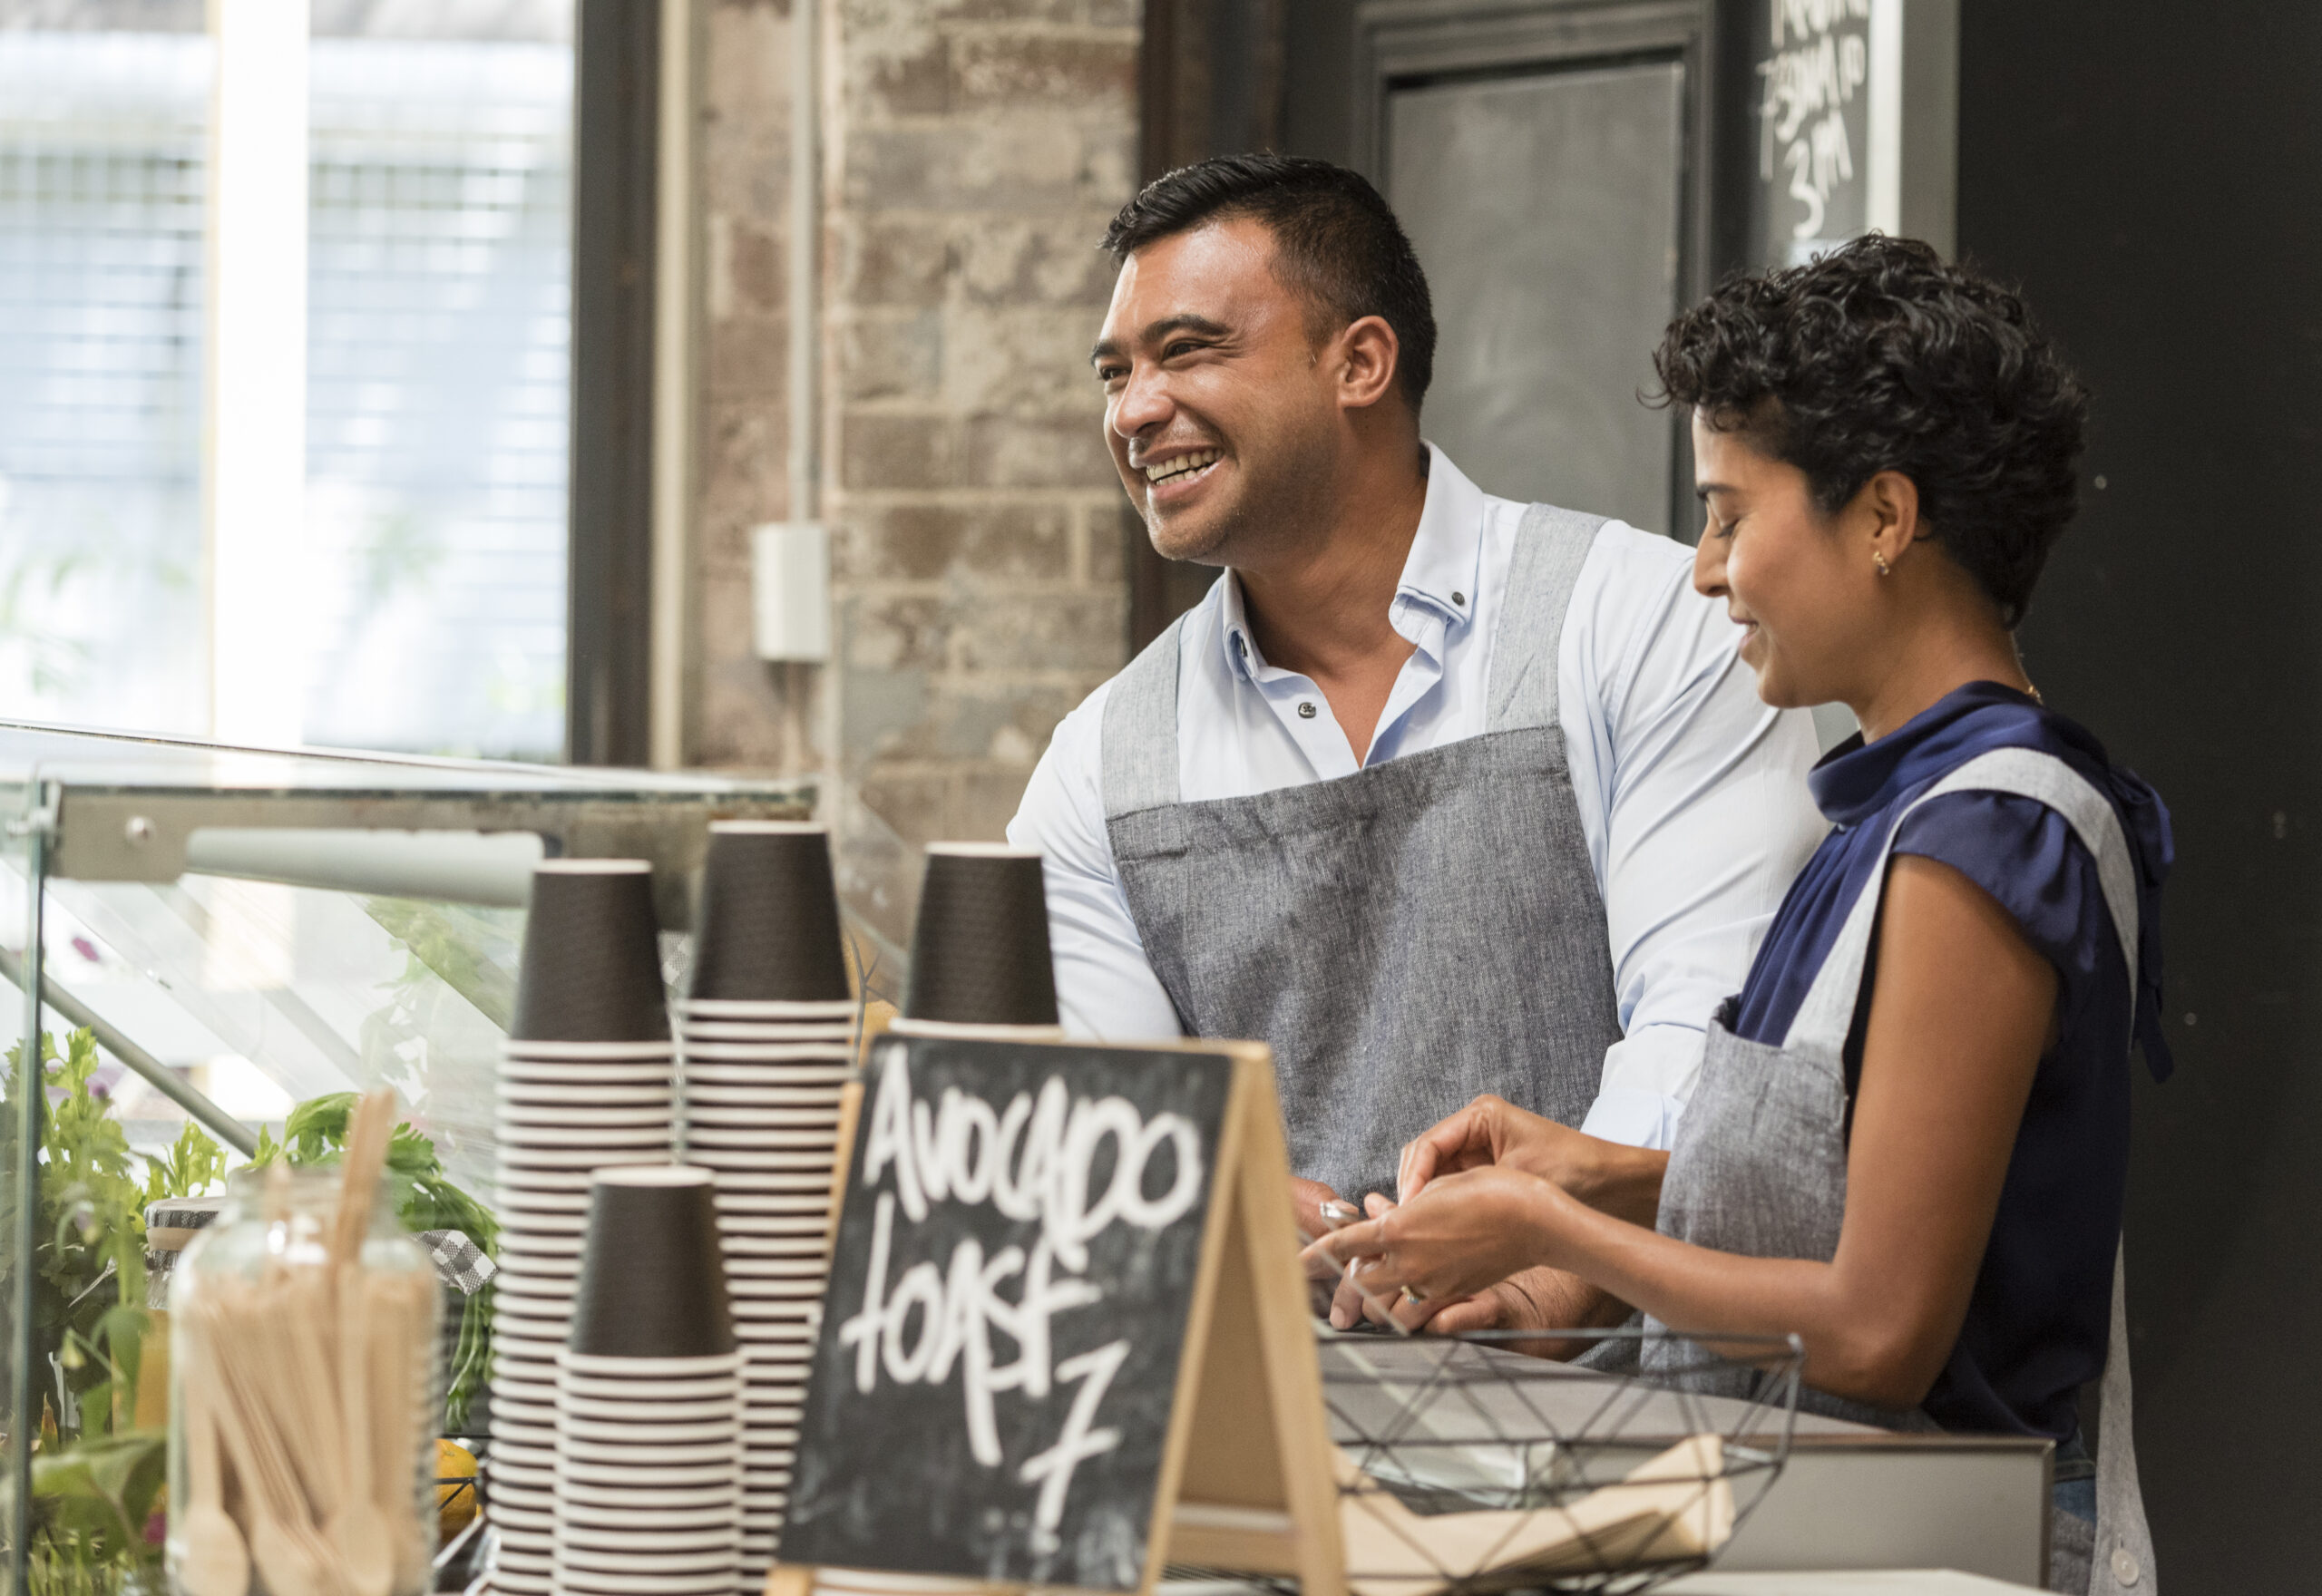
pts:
[436, 380]
[102, 162]
[433, 547]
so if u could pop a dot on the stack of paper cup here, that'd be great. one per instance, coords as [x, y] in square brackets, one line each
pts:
[766, 1040]
[649, 1399]
[587, 1081]
[980, 969]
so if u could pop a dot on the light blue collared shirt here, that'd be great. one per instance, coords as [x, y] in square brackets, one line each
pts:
[1691, 792]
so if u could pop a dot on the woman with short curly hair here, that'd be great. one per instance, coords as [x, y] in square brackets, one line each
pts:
[1909, 1143]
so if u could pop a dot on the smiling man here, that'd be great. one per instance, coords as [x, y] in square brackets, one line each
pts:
[1437, 793]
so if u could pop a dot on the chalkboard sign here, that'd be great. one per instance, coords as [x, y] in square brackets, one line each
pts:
[1814, 70]
[1023, 1249]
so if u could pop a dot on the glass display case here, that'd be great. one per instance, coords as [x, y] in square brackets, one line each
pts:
[207, 937]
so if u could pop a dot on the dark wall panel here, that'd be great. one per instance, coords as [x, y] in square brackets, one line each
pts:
[2151, 179]
[1210, 82]
[1317, 114]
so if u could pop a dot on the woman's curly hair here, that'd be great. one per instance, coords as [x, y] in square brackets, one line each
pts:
[1877, 356]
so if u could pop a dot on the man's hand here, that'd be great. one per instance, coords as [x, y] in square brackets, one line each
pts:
[1306, 1201]
[1624, 1182]
[1536, 1299]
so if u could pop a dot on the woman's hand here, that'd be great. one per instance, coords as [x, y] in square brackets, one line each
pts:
[1466, 1230]
[1489, 1131]
[1625, 1182]
[1535, 1300]
[1352, 1301]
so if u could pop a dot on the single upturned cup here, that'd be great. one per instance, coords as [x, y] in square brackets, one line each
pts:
[979, 951]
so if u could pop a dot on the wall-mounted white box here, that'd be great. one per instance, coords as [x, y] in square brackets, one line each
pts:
[790, 589]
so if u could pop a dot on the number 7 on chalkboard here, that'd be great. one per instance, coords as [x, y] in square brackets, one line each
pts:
[1066, 1337]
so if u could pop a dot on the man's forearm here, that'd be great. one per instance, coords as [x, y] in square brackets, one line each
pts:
[1563, 1301]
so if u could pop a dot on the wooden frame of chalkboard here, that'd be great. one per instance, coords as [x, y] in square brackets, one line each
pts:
[1117, 1218]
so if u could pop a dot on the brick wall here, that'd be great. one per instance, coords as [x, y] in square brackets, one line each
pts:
[747, 715]
[976, 149]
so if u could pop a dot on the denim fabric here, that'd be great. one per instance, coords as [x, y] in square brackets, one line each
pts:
[2075, 1480]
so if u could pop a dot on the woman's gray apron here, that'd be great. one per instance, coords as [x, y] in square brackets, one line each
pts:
[1759, 1164]
[1404, 938]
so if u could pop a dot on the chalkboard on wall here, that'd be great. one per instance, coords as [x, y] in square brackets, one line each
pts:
[1814, 166]
[1022, 1245]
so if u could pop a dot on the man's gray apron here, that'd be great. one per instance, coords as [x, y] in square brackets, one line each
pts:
[1759, 1164]
[1404, 938]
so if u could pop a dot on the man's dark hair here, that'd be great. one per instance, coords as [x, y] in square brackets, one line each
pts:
[1335, 241]
[1877, 356]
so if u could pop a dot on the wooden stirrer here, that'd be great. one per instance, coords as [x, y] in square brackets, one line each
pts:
[217, 1559]
[359, 1529]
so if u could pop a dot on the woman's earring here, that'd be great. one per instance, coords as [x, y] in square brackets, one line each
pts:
[1879, 560]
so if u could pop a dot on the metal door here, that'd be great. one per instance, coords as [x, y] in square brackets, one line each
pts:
[1546, 210]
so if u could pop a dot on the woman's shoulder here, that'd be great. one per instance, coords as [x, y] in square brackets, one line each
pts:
[2018, 847]
[2043, 869]
[2025, 852]
[1985, 719]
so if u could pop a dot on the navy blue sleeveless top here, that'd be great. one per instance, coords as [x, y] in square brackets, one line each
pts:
[2038, 1322]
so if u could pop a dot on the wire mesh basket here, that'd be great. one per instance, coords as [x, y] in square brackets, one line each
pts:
[1468, 1469]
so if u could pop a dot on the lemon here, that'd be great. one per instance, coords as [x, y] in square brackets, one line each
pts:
[454, 1487]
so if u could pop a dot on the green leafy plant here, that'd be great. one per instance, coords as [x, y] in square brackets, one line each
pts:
[191, 1166]
[99, 1503]
[96, 1480]
[424, 1199]
[89, 1262]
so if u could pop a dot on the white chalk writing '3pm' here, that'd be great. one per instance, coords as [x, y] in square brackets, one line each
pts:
[1821, 60]
[1032, 1161]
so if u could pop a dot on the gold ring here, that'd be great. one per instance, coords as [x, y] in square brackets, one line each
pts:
[1414, 1296]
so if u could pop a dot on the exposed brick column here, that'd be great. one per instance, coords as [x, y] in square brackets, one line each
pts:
[750, 715]
[976, 150]
[983, 144]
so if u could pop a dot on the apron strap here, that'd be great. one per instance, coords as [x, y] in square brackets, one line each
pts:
[1136, 741]
[1551, 546]
[1827, 1015]
[2123, 1563]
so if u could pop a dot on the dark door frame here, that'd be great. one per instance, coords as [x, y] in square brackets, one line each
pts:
[610, 572]
[1210, 81]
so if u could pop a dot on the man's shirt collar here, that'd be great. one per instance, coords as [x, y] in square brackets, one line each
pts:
[1440, 574]
[1447, 553]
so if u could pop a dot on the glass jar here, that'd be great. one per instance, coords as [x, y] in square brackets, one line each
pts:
[304, 1397]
